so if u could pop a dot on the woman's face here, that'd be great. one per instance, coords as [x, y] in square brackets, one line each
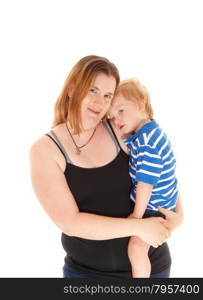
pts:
[98, 100]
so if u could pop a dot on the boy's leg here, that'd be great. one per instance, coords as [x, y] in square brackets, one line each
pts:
[138, 256]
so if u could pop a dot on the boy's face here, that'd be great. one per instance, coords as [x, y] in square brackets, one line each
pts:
[125, 114]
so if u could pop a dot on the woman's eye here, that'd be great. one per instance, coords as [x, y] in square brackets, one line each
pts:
[93, 91]
[109, 97]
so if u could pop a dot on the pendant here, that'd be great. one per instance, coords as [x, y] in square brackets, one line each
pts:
[78, 151]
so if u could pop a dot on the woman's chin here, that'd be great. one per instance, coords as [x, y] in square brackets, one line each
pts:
[91, 123]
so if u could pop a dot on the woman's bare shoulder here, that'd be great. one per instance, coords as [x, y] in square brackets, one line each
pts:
[41, 152]
[44, 143]
[45, 150]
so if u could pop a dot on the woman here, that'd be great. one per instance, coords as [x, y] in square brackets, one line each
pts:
[80, 175]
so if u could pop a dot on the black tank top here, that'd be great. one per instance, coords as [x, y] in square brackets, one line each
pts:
[104, 191]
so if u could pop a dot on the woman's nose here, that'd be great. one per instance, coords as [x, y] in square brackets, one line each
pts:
[98, 99]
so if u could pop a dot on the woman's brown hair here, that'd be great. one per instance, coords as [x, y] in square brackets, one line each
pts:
[78, 83]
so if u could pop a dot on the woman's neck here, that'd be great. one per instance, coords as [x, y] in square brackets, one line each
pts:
[84, 133]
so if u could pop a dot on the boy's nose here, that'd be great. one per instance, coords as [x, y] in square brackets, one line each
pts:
[116, 122]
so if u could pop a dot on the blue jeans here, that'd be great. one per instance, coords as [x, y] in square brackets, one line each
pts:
[163, 274]
[71, 273]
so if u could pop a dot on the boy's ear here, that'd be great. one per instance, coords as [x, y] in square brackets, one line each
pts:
[142, 105]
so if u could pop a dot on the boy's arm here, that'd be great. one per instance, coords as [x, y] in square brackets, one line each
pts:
[143, 194]
[174, 219]
[179, 206]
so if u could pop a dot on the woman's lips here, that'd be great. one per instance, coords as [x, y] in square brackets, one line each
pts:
[94, 111]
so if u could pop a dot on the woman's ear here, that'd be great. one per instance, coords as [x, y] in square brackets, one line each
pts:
[70, 91]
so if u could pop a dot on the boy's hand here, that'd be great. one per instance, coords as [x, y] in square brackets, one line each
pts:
[173, 219]
[152, 231]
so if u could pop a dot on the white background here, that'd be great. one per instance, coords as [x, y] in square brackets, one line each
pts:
[160, 43]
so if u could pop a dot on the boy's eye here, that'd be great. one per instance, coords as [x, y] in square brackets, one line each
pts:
[120, 111]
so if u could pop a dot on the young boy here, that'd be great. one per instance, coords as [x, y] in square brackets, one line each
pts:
[151, 164]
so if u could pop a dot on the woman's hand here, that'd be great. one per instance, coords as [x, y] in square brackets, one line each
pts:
[173, 219]
[152, 230]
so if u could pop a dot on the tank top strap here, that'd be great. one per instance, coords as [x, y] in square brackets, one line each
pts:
[59, 145]
[108, 126]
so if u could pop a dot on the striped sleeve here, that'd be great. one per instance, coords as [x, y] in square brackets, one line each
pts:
[149, 165]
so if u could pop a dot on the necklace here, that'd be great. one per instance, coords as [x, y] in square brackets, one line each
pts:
[79, 147]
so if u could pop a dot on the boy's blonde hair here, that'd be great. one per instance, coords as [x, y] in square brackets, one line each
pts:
[133, 90]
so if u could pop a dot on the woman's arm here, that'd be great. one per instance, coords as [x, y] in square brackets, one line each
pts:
[52, 191]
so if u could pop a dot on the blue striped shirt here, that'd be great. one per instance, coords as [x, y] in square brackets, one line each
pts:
[152, 161]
